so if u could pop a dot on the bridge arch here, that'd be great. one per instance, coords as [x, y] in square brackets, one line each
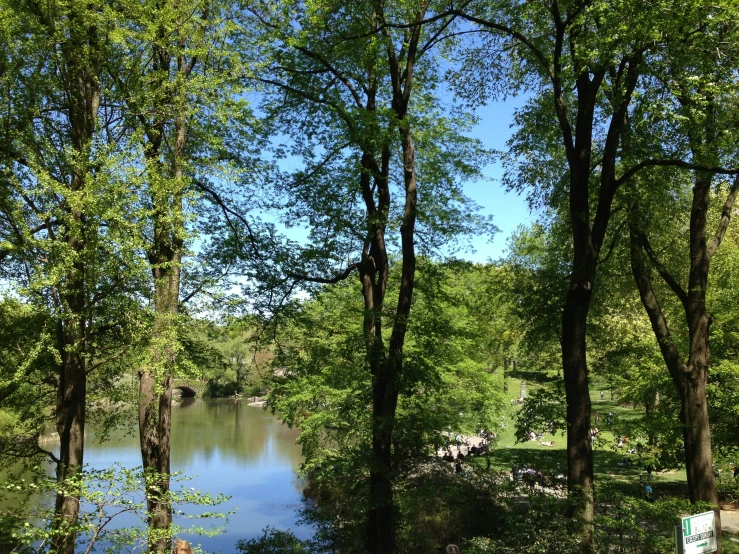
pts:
[185, 391]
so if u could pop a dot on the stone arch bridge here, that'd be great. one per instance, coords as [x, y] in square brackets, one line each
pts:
[189, 388]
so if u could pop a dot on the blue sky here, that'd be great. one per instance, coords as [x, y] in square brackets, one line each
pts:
[508, 209]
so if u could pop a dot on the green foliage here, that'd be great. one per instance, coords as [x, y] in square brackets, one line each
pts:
[274, 541]
[637, 525]
[98, 199]
[542, 411]
[447, 382]
[106, 496]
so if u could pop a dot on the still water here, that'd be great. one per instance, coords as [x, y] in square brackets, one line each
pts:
[230, 448]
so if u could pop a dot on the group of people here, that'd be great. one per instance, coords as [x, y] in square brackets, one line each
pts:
[486, 435]
[732, 466]
[594, 433]
[622, 441]
[449, 457]
[479, 449]
[472, 449]
[533, 436]
[528, 475]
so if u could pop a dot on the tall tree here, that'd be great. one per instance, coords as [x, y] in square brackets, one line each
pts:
[356, 76]
[446, 383]
[187, 119]
[588, 58]
[699, 80]
[57, 187]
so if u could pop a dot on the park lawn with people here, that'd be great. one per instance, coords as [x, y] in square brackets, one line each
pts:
[609, 460]
[614, 466]
[298, 175]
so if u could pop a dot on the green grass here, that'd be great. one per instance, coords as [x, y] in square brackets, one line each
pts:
[730, 546]
[608, 461]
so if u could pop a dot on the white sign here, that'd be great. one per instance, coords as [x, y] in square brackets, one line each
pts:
[699, 534]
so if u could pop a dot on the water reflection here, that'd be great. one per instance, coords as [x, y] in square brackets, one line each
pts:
[234, 449]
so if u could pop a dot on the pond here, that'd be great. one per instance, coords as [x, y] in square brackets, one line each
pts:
[229, 448]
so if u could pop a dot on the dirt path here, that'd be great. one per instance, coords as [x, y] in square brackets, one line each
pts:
[730, 521]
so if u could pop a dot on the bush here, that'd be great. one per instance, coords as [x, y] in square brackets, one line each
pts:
[274, 541]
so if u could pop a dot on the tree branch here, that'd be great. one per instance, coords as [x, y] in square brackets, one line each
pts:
[616, 236]
[48, 453]
[325, 280]
[313, 98]
[654, 311]
[226, 211]
[725, 219]
[202, 285]
[336, 73]
[663, 271]
[673, 163]
[538, 54]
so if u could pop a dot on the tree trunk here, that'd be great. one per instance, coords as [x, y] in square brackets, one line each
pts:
[696, 433]
[579, 450]
[374, 275]
[381, 513]
[80, 83]
[70, 423]
[155, 383]
[165, 257]
[697, 439]
[694, 409]
[384, 383]
[690, 379]
[155, 394]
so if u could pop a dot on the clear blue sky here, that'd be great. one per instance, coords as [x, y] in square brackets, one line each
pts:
[508, 209]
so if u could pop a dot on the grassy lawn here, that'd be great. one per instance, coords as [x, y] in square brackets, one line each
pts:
[731, 543]
[609, 461]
